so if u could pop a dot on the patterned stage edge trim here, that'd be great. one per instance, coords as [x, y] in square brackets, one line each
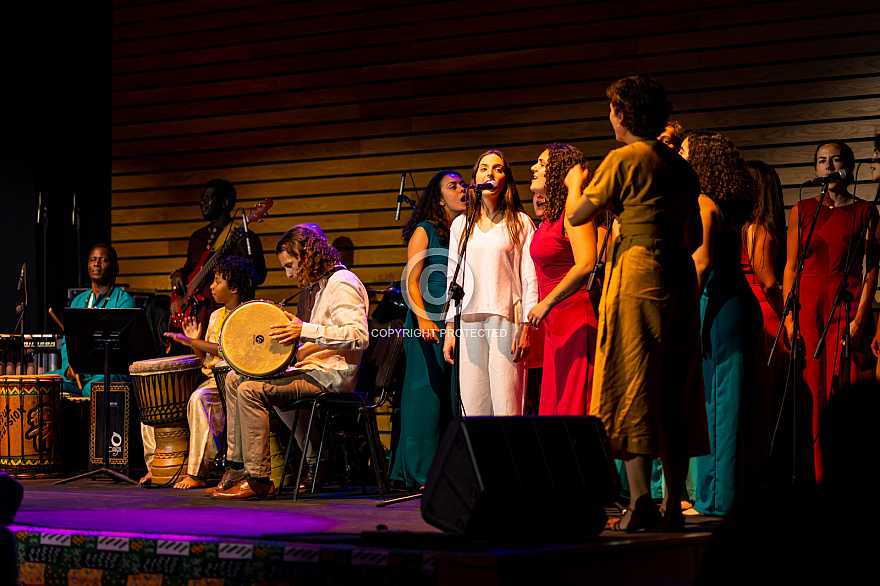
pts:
[55, 557]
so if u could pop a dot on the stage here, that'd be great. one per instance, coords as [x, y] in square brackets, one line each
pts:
[97, 532]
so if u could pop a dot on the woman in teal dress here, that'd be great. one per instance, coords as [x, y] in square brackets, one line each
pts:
[425, 406]
[730, 314]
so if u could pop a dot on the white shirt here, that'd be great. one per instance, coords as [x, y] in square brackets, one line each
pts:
[333, 340]
[499, 276]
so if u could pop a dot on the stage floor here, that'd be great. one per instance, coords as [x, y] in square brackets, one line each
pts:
[339, 537]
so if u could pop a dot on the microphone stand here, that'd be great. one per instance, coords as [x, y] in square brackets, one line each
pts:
[456, 293]
[247, 234]
[792, 305]
[599, 265]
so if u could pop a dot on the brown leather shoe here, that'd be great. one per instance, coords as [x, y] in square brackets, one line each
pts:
[305, 484]
[247, 490]
[230, 478]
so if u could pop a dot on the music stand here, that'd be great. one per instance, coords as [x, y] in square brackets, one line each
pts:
[91, 334]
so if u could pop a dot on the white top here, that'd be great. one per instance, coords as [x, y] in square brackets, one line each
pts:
[212, 335]
[499, 276]
[336, 334]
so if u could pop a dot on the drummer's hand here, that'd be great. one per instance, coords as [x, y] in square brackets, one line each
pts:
[180, 338]
[192, 328]
[286, 333]
[69, 374]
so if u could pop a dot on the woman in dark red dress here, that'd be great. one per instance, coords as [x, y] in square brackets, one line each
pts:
[564, 257]
[839, 225]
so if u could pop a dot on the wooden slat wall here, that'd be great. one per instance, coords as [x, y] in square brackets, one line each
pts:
[321, 105]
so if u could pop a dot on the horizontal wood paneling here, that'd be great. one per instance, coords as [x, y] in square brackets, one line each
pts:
[321, 105]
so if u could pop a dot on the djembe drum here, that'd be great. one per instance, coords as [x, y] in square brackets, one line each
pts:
[163, 387]
[29, 428]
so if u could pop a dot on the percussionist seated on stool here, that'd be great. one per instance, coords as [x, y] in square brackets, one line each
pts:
[331, 343]
[103, 266]
[235, 281]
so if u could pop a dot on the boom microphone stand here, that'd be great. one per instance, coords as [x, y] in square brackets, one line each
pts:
[456, 293]
[792, 305]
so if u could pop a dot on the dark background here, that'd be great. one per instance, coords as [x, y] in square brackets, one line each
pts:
[55, 142]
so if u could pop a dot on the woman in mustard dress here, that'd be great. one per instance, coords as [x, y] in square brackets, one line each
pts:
[647, 379]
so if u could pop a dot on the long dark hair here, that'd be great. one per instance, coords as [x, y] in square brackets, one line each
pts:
[562, 157]
[723, 175]
[429, 209]
[510, 201]
[768, 213]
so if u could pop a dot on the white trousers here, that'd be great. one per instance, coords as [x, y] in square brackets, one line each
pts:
[206, 422]
[491, 383]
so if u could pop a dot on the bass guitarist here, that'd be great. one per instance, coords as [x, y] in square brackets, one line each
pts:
[217, 203]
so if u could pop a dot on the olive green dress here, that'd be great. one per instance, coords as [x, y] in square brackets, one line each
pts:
[647, 385]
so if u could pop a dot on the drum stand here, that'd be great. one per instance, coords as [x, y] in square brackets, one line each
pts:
[90, 330]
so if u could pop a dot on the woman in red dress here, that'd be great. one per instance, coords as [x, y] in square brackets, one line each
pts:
[564, 257]
[841, 220]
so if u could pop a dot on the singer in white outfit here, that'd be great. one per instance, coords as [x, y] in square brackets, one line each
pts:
[500, 290]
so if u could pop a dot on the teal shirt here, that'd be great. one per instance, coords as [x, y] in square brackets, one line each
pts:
[117, 299]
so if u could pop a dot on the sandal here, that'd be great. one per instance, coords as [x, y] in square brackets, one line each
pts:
[644, 515]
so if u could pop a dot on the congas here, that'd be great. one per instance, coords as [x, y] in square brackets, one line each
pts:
[29, 433]
[163, 387]
[245, 343]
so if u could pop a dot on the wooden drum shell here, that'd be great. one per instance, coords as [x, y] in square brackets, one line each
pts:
[163, 387]
[29, 425]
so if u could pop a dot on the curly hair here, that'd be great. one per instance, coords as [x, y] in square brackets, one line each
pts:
[677, 134]
[226, 190]
[641, 101]
[562, 158]
[240, 276]
[429, 209]
[768, 212]
[722, 172]
[510, 202]
[846, 153]
[316, 256]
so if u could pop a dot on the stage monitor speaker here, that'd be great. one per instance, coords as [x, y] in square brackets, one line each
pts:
[514, 478]
[125, 454]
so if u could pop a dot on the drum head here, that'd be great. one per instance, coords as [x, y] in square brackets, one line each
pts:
[164, 364]
[245, 343]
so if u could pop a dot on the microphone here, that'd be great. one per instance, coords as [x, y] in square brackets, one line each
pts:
[21, 277]
[487, 186]
[400, 196]
[247, 236]
[836, 176]
[39, 205]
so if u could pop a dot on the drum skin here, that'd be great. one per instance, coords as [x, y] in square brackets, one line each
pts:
[163, 387]
[29, 426]
[245, 343]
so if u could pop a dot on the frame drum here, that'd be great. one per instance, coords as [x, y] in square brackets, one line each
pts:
[245, 343]
[29, 428]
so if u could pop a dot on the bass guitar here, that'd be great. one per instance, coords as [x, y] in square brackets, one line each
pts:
[185, 305]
